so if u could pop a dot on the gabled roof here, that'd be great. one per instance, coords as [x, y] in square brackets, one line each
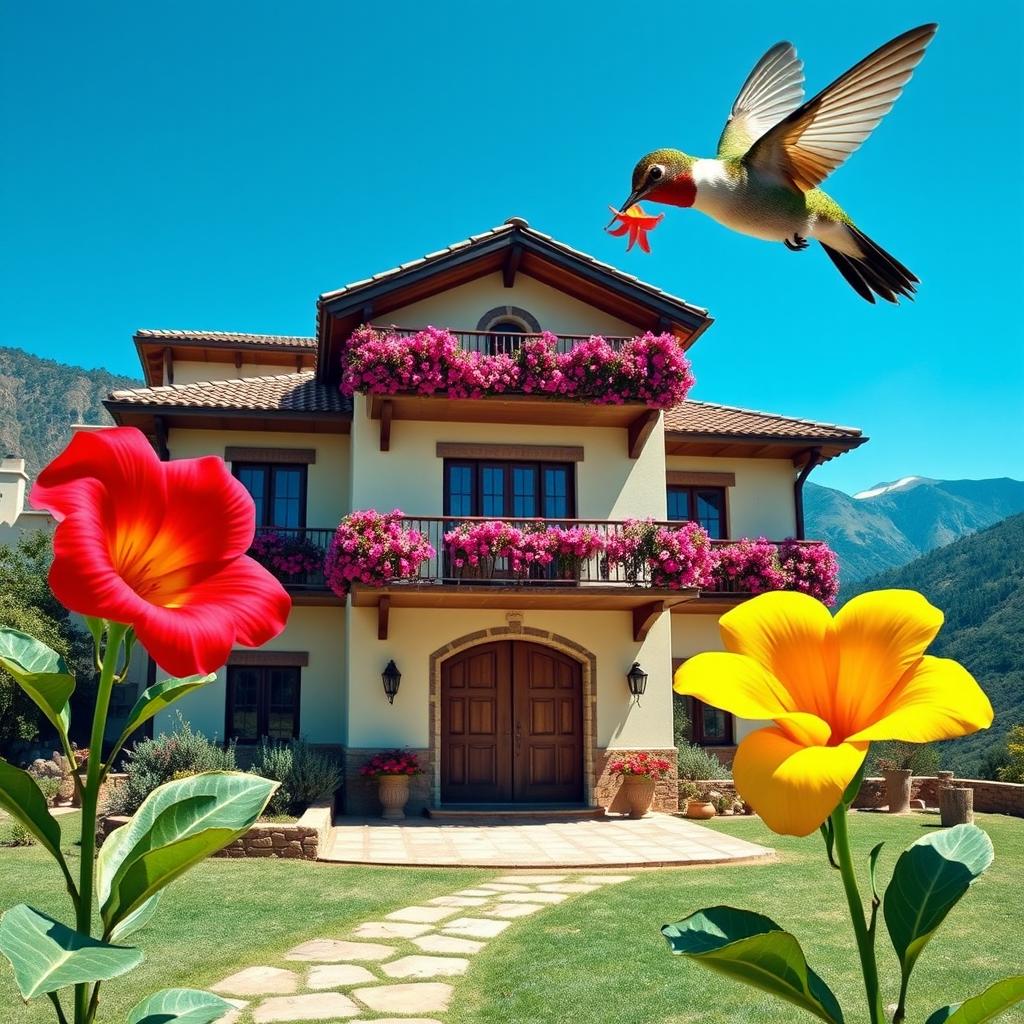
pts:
[706, 428]
[511, 248]
[158, 350]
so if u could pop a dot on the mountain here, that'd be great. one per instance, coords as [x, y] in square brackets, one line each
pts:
[978, 582]
[41, 398]
[892, 523]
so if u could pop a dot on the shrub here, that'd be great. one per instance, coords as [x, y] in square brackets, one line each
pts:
[49, 787]
[697, 764]
[1013, 769]
[17, 835]
[392, 762]
[151, 763]
[681, 724]
[640, 763]
[306, 774]
[920, 758]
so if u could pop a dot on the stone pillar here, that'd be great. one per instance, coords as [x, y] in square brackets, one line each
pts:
[13, 481]
[956, 805]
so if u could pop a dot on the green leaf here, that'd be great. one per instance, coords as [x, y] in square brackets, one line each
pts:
[179, 824]
[47, 955]
[41, 672]
[158, 697]
[851, 791]
[180, 1006]
[136, 920]
[96, 627]
[872, 869]
[22, 798]
[754, 949]
[828, 833]
[928, 880]
[995, 1000]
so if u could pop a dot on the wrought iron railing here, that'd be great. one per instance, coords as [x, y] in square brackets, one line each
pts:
[296, 556]
[492, 343]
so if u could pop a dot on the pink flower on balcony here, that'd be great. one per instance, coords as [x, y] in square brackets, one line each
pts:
[374, 548]
[810, 568]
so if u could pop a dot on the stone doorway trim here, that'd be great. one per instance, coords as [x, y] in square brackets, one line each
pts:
[545, 638]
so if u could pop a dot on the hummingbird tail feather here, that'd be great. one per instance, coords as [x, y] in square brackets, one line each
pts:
[872, 271]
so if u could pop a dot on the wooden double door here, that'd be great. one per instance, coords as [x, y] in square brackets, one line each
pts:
[511, 726]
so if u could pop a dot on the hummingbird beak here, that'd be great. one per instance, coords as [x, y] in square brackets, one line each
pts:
[634, 197]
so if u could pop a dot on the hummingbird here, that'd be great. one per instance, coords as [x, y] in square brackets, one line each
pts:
[777, 149]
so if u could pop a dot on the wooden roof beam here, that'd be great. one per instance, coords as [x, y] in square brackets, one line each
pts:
[640, 430]
[644, 617]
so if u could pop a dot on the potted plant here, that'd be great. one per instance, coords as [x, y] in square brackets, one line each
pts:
[639, 771]
[899, 763]
[474, 548]
[698, 800]
[392, 770]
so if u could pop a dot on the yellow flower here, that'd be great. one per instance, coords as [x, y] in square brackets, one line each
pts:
[830, 686]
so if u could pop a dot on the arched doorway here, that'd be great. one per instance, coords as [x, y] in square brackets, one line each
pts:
[511, 725]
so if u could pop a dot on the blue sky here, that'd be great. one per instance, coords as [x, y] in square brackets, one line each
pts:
[218, 165]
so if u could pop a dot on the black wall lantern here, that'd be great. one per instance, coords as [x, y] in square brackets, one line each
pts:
[637, 679]
[392, 679]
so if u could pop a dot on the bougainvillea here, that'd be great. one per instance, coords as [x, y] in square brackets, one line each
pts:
[672, 557]
[285, 554]
[393, 762]
[750, 567]
[572, 546]
[651, 368]
[811, 569]
[374, 548]
[474, 547]
[640, 762]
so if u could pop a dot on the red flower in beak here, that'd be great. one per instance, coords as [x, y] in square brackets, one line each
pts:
[159, 546]
[636, 223]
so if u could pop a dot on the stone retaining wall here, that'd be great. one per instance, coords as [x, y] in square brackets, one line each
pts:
[606, 791]
[989, 797]
[299, 840]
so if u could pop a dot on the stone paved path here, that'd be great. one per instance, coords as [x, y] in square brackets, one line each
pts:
[658, 840]
[403, 976]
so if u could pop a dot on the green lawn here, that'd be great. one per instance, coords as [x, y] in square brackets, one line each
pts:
[597, 958]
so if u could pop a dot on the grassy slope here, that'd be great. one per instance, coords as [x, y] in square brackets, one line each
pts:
[594, 958]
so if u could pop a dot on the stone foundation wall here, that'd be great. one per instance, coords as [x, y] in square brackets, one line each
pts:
[606, 788]
[361, 793]
[989, 797]
[300, 840]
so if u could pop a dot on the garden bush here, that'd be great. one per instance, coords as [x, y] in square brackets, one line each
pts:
[306, 774]
[695, 763]
[151, 763]
[921, 758]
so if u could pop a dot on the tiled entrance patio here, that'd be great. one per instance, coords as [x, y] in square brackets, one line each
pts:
[659, 840]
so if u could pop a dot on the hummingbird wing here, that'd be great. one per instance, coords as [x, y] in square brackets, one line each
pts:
[772, 90]
[809, 144]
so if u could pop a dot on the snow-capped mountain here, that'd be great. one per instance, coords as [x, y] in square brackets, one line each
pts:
[892, 523]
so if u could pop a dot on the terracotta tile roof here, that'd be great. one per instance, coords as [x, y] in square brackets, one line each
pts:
[286, 392]
[693, 417]
[512, 224]
[227, 338]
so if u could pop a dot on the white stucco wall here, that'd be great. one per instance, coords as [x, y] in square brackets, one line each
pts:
[321, 632]
[761, 503]
[462, 308]
[187, 371]
[328, 478]
[609, 484]
[692, 634]
[415, 633]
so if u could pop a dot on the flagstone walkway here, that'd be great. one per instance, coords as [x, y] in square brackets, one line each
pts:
[658, 840]
[400, 966]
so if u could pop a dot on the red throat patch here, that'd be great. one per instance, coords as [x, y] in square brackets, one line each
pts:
[679, 191]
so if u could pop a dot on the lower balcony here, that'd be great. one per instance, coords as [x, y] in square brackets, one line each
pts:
[394, 560]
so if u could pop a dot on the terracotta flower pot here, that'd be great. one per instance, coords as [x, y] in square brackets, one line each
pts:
[897, 789]
[701, 809]
[394, 795]
[638, 793]
[483, 570]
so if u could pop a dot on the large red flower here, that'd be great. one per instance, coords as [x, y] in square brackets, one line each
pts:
[159, 546]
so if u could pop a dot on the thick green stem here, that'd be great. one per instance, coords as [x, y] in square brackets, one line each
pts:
[90, 798]
[865, 939]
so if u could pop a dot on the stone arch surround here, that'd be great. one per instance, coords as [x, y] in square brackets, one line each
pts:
[545, 638]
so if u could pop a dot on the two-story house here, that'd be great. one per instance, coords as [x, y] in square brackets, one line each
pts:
[514, 688]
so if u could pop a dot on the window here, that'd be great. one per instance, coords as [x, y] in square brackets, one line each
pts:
[704, 505]
[506, 337]
[709, 727]
[509, 490]
[262, 701]
[278, 491]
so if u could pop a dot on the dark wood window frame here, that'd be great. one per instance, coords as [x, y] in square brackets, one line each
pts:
[694, 707]
[508, 466]
[263, 699]
[691, 491]
[272, 469]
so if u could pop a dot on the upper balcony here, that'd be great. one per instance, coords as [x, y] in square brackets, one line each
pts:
[640, 566]
[410, 373]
